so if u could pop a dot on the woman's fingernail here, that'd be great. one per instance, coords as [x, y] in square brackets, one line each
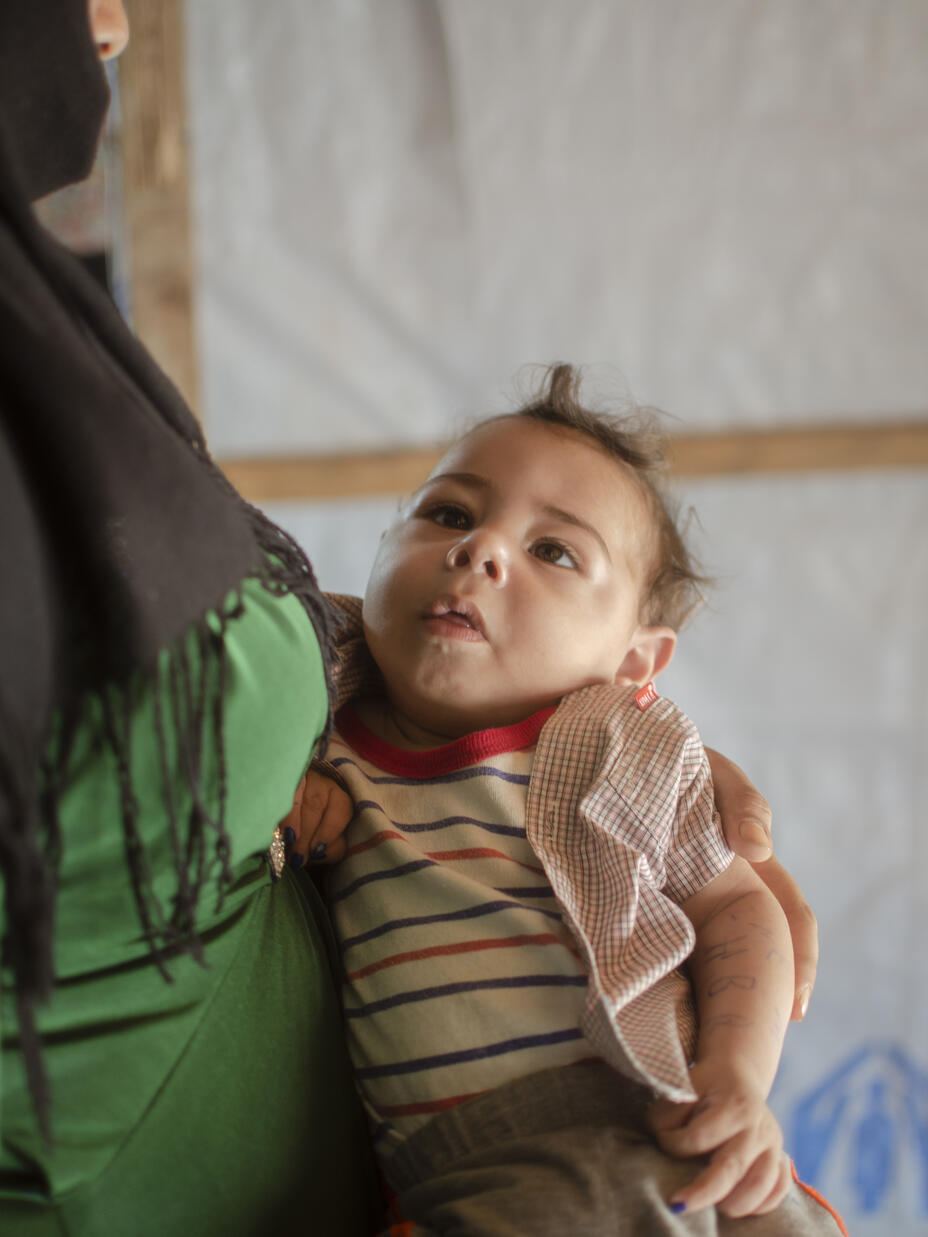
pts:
[753, 832]
[319, 851]
[803, 996]
[296, 861]
[678, 1208]
[289, 836]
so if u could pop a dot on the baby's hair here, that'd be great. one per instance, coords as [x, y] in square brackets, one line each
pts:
[672, 586]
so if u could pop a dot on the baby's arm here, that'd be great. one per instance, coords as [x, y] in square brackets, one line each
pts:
[742, 972]
[314, 827]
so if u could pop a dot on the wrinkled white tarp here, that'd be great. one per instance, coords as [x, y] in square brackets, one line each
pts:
[400, 202]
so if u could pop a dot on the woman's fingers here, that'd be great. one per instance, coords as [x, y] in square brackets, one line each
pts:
[803, 928]
[328, 843]
[736, 1175]
[747, 821]
[746, 815]
[315, 826]
[747, 1175]
[744, 1172]
[762, 1188]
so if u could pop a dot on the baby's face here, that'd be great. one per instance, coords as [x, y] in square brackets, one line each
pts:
[512, 577]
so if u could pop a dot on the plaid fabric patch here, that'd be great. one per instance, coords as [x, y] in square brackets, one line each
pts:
[620, 810]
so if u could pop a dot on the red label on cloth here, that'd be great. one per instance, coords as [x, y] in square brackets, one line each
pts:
[645, 696]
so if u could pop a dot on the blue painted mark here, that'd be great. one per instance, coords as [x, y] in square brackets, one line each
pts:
[916, 1103]
[874, 1107]
[873, 1155]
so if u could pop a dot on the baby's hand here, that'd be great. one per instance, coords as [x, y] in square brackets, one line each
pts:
[747, 1173]
[313, 829]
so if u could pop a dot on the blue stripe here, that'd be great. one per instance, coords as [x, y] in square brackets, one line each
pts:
[384, 874]
[416, 865]
[469, 912]
[529, 891]
[469, 1054]
[471, 985]
[428, 826]
[461, 775]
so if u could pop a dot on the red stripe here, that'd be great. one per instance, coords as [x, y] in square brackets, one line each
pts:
[424, 1106]
[452, 1101]
[373, 841]
[480, 852]
[435, 761]
[463, 947]
[440, 856]
[823, 1202]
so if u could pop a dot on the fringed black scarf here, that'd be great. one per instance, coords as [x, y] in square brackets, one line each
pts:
[118, 533]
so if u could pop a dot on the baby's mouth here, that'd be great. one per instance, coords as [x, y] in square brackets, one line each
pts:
[458, 613]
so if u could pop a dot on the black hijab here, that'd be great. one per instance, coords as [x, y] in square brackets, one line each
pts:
[117, 531]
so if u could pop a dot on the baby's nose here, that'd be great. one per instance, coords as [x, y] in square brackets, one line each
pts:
[480, 554]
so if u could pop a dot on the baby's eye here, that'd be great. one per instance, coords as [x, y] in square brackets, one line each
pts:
[555, 553]
[448, 515]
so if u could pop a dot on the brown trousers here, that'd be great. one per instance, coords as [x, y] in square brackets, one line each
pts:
[564, 1152]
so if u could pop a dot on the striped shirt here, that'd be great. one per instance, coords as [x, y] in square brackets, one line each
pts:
[620, 813]
[459, 973]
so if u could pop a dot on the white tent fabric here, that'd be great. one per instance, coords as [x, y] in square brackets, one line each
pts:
[407, 199]
[722, 206]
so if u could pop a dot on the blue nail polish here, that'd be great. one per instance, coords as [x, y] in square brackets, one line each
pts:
[289, 836]
[296, 861]
[319, 851]
[678, 1208]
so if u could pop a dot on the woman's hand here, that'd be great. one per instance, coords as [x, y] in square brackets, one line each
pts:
[747, 1173]
[314, 827]
[746, 820]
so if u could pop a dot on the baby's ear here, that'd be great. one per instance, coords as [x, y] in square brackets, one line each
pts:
[651, 651]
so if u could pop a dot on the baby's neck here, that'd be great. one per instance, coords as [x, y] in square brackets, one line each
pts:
[397, 729]
[400, 729]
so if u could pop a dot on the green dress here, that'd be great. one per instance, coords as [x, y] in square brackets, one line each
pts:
[219, 1102]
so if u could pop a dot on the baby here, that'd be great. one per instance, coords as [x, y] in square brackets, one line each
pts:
[533, 855]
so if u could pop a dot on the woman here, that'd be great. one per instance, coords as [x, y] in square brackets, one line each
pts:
[172, 1057]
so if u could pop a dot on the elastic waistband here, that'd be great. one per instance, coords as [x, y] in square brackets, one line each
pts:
[587, 1094]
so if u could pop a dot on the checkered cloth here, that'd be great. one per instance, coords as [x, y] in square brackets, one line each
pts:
[620, 812]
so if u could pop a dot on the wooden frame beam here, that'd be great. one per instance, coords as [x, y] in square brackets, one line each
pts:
[898, 444]
[839, 447]
[156, 193]
[156, 190]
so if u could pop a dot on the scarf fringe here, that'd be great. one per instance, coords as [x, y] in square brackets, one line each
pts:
[189, 702]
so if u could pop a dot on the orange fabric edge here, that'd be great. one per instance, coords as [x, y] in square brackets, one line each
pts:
[823, 1202]
[400, 1225]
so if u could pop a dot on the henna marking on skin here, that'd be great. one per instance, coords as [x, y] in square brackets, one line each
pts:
[724, 949]
[724, 982]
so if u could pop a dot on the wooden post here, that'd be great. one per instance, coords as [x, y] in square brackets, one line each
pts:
[156, 190]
